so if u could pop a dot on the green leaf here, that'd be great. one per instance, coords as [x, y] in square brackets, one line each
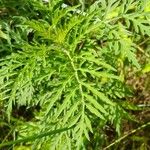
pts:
[3, 35]
[98, 62]
[132, 57]
[74, 119]
[98, 93]
[94, 111]
[71, 110]
[95, 103]
[53, 100]
[65, 102]
[86, 133]
[88, 123]
[101, 74]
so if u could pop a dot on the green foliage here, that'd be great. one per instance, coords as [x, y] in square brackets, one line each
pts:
[73, 67]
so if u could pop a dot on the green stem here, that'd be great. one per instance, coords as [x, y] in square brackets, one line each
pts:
[76, 74]
[79, 82]
[34, 137]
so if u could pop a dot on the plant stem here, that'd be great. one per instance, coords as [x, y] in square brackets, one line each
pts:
[34, 137]
[126, 135]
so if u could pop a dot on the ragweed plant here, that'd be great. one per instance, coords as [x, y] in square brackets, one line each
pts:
[73, 68]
